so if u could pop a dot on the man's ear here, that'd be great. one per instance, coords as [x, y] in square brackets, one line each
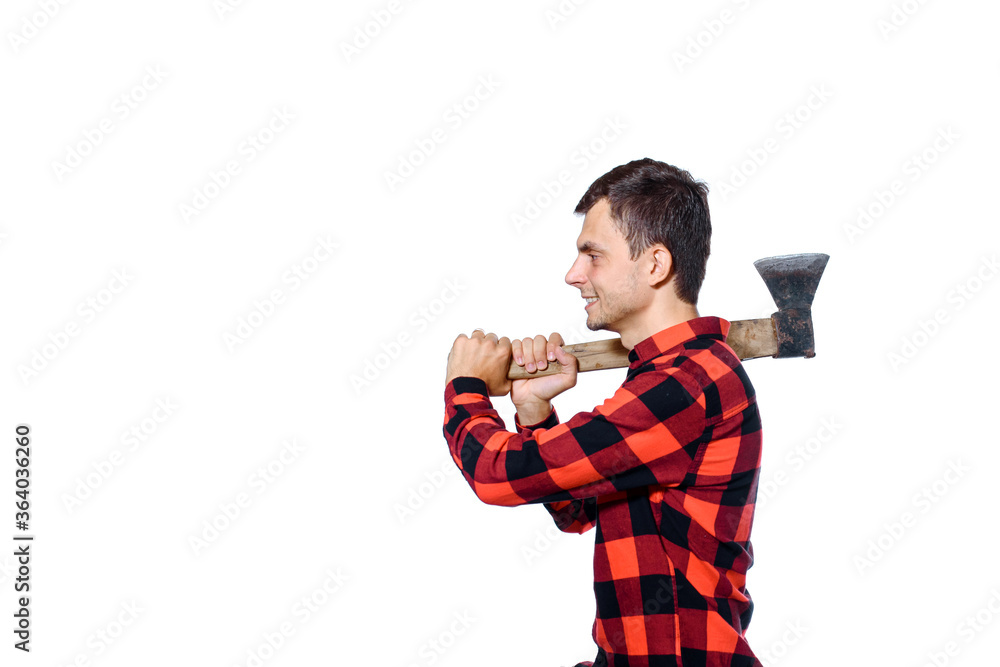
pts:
[661, 264]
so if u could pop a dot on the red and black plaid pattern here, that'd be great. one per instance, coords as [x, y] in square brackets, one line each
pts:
[666, 470]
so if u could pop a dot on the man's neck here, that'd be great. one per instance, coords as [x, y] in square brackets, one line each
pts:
[656, 319]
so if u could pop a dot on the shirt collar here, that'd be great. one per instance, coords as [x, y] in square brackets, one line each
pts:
[672, 337]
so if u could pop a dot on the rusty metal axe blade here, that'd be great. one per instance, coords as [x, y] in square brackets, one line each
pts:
[792, 281]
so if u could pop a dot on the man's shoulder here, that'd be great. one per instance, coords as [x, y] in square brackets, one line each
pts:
[695, 356]
[703, 366]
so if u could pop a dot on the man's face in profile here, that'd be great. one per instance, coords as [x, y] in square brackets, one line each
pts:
[603, 272]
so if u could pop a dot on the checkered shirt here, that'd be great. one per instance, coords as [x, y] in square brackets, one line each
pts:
[666, 470]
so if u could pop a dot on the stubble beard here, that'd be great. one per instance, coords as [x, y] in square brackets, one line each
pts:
[612, 308]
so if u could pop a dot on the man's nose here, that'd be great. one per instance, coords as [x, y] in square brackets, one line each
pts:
[574, 276]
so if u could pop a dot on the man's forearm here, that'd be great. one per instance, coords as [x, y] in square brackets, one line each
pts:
[534, 412]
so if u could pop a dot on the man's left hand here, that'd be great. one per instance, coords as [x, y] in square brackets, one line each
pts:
[484, 356]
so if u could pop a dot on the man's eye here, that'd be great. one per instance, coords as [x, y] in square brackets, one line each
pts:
[592, 257]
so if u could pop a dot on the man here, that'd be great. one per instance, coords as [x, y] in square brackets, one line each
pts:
[667, 468]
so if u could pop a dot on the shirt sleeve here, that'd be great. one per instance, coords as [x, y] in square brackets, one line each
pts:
[570, 516]
[647, 433]
[574, 516]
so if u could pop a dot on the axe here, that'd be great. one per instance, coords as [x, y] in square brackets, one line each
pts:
[792, 281]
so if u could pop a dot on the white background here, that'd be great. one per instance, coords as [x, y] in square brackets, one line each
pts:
[796, 114]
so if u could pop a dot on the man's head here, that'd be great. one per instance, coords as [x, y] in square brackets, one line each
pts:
[646, 237]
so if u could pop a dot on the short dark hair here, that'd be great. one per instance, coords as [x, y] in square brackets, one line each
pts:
[654, 202]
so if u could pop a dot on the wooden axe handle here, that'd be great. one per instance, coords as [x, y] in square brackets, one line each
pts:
[750, 339]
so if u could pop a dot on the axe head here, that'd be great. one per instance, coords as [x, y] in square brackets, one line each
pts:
[792, 281]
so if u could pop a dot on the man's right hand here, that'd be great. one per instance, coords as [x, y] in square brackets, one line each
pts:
[531, 397]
